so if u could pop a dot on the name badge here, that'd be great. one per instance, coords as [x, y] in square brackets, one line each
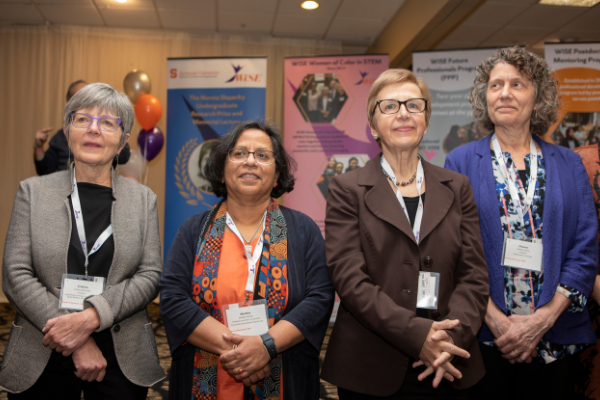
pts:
[522, 254]
[247, 318]
[76, 288]
[427, 295]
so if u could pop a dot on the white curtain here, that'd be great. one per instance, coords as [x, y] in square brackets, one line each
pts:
[38, 63]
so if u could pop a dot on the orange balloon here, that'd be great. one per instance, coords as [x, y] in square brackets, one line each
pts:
[148, 111]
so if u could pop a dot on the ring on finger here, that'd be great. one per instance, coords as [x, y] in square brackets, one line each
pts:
[516, 352]
[240, 370]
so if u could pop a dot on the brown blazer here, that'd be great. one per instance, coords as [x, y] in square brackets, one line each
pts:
[374, 261]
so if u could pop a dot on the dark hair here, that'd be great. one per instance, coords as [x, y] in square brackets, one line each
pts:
[284, 164]
[69, 94]
[352, 158]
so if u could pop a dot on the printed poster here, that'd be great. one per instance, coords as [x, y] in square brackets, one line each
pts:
[449, 76]
[205, 98]
[576, 66]
[325, 123]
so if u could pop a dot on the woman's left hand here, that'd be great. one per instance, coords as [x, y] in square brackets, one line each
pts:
[69, 332]
[250, 356]
[526, 331]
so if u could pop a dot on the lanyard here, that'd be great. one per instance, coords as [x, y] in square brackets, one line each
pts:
[81, 228]
[387, 170]
[251, 257]
[511, 178]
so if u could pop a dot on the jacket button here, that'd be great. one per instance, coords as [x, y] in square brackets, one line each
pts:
[428, 261]
[117, 328]
[436, 315]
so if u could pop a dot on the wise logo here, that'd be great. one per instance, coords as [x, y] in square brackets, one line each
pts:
[173, 72]
[364, 79]
[238, 77]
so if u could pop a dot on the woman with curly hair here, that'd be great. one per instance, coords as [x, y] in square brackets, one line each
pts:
[539, 228]
[247, 249]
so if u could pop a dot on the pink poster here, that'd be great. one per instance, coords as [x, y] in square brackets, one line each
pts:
[325, 123]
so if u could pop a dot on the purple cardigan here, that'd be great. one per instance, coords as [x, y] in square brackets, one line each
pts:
[570, 230]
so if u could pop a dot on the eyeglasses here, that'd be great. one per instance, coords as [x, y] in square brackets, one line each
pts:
[107, 124]
[263, 157]
[392, 106]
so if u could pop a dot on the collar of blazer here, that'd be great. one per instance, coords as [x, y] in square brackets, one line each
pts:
[382, 200]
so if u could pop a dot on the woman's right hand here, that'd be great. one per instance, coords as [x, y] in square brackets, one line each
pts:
[90, 364]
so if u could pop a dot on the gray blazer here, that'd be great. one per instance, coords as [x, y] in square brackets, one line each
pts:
[35, 258]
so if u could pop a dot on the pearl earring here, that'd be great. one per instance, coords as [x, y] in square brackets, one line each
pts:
[375, 137]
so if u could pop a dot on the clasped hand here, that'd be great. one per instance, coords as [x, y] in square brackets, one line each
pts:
[438, 351]
[520, 337]
[69, 332]
[249, 361]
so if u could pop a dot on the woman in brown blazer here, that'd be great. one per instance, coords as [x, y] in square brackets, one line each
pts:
[404, 253]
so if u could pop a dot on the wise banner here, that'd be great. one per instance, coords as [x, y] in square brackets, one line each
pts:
[325, 123]
[576, 66]
[449, 76]
[205, 98]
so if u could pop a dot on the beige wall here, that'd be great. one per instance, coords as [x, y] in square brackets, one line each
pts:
[38, 63]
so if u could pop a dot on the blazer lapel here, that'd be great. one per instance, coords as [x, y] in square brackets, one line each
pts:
[381, 199]
[552, 220]
[491, 226]
[438, 201]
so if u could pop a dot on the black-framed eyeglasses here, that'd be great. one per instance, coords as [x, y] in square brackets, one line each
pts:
[392, 106]
[264, 157]
[107, 124]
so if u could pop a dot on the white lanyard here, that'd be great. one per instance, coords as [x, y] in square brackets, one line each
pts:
[511, 178]
[420, 175]
[252, 258]
[81, 228]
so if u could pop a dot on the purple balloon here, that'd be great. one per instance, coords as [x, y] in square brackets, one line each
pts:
[150, 142]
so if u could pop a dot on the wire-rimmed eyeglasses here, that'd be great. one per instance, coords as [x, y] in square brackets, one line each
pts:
[392, 106]
[107, 124]
[264, 157]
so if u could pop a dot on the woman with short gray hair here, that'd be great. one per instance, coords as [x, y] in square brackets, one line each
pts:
[81, 263]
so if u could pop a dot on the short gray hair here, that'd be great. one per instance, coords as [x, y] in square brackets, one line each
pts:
[105, 98]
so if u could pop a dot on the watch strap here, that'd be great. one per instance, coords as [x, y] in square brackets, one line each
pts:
[269, 343]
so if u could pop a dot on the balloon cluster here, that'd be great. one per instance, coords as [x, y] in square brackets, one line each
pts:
[148, 110]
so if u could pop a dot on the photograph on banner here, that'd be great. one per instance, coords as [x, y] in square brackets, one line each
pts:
[576, 66]
[449, 76]
[325, 123]
[205, 98]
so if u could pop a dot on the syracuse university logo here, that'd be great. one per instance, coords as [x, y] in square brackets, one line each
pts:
[238, 77]
[364, 79]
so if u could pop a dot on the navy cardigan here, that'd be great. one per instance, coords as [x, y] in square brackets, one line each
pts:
[570, 231]
[309, 305]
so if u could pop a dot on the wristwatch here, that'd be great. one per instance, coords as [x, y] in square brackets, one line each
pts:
[269, 345]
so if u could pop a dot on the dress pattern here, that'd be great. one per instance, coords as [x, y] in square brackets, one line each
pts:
[271, 285]
[523, 288]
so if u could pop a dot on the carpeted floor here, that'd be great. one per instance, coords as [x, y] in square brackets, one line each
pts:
[161, 389]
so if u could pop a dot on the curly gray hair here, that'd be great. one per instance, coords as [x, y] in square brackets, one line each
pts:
[105, 98]
[529, 65]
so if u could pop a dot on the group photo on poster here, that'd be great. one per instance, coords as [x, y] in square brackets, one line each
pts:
[320, 97]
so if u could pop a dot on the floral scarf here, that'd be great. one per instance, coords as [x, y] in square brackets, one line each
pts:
[271, 285]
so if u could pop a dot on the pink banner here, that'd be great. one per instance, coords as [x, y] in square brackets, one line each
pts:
[326, 129]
